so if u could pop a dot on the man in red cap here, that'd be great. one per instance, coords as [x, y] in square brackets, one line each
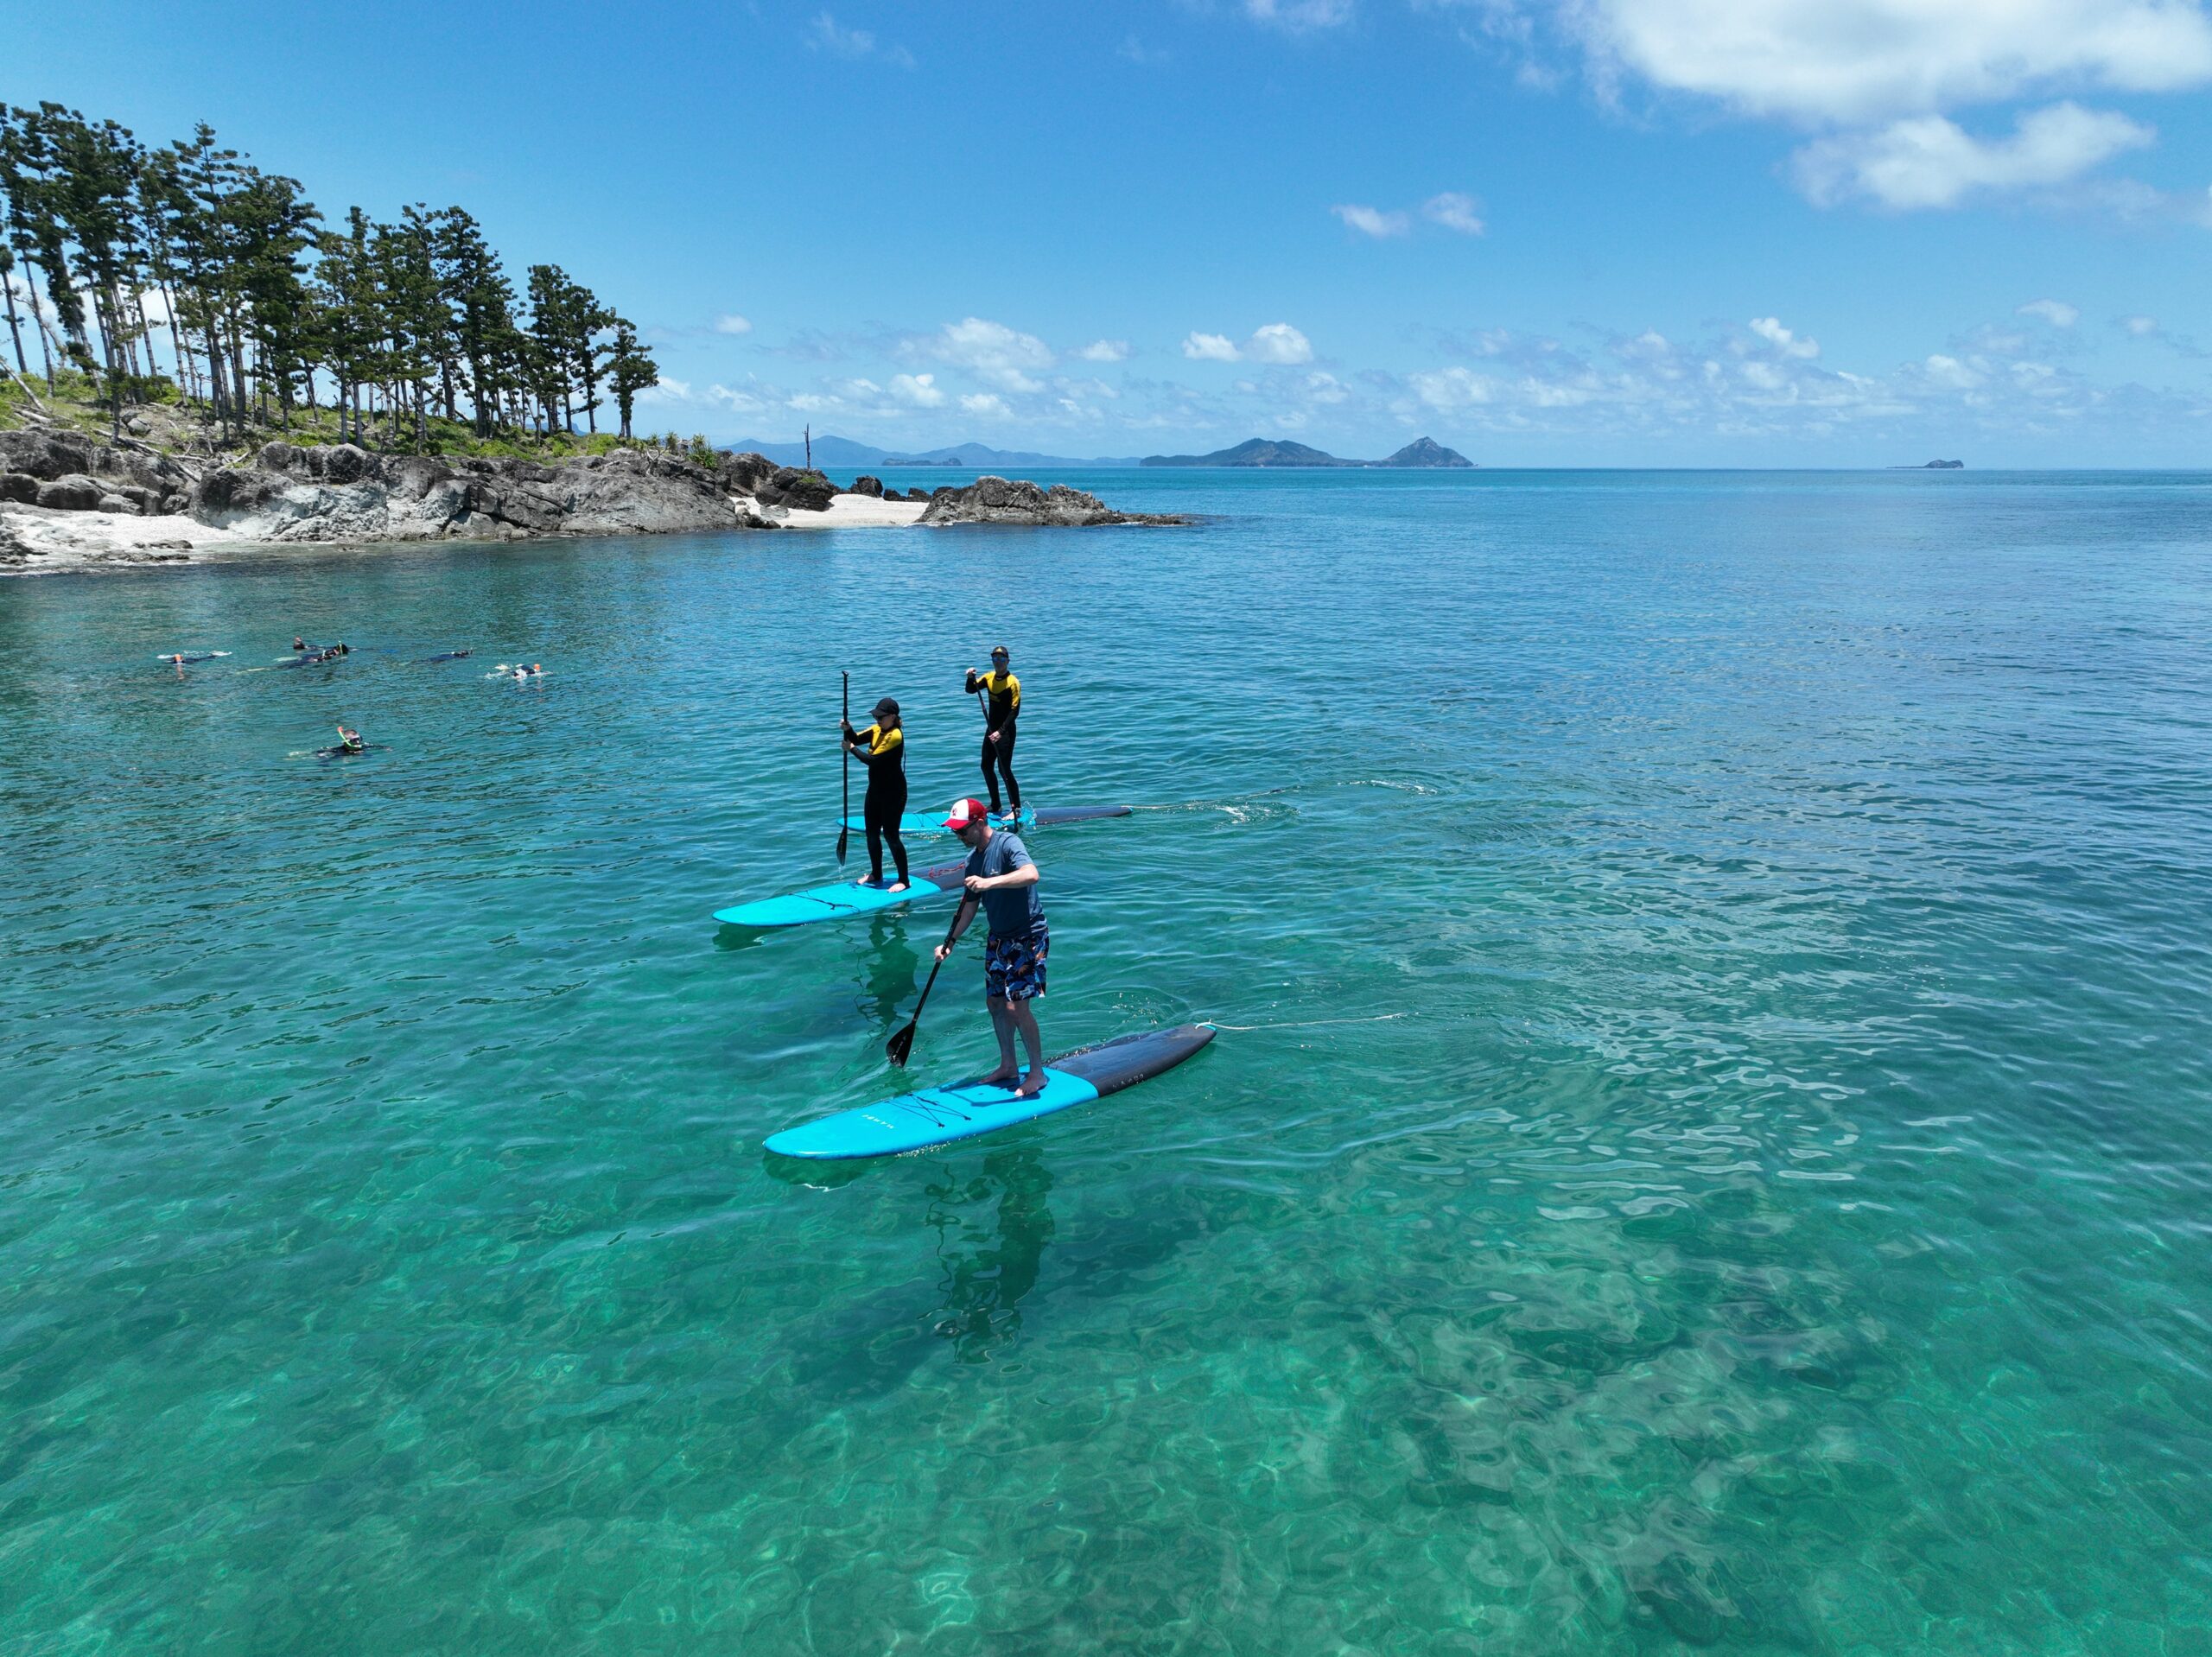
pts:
[1003, 882]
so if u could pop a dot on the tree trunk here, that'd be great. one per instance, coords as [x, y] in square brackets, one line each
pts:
[45, 335]
[241, 387]
[217, 389]
[15, 328]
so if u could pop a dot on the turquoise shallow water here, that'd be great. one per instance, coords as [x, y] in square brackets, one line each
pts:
[1726, 1163]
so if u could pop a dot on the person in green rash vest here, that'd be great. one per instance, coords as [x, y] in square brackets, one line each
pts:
[883, 748]
[1001, 709]
[1001, 880]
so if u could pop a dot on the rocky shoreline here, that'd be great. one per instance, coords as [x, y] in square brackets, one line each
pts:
[67, 501]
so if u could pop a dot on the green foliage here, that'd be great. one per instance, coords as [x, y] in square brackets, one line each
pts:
[262, 309]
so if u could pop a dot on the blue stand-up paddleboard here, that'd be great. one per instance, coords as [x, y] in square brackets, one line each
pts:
[1030, 816]
[835, 903]
[915, 1122]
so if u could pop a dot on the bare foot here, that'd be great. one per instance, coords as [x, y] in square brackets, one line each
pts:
[898, 886]
[998, 1077]
[1032, 1085]
[870, 880]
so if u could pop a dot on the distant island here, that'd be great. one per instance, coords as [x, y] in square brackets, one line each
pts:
[1933, 465]
[829, 450]
[1269, 451]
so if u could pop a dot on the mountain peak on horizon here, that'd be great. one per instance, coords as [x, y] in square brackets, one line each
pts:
[1281, 452]
[1427, 452]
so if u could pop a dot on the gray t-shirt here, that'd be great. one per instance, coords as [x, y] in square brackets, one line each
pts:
[1011, 911]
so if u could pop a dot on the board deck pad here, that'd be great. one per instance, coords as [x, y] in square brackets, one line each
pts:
[840, 900]
[933, 1116]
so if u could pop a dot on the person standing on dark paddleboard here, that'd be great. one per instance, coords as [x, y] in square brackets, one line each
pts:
[883, 748]
[1001, 880]
[1001, 709]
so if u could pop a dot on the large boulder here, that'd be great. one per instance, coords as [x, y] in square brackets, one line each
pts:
[1006, 500]
[230, 493]
[343, 462]
[49, 456]
[117, 504]
[71, 493]
[745, 473]
[805, 491]
[864, 484]
[19, 487]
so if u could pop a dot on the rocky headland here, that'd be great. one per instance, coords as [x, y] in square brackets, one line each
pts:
[1009, 500]
[67, 500]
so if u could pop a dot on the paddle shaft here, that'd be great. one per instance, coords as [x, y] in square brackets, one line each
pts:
[902, 1043]
[845, 829]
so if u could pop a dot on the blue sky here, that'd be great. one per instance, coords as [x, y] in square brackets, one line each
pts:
[1765, 232]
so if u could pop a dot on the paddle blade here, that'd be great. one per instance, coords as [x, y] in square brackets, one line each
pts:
[842, 835]
[900, 1045]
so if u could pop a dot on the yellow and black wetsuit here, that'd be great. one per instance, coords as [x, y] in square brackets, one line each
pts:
[884, 753]
[1001, 709]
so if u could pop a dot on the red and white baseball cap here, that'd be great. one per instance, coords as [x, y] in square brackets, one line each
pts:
[967, 812]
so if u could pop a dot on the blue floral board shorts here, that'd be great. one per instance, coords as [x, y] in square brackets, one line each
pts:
[1013, 968]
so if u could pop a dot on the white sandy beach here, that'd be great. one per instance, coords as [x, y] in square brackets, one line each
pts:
[846, 512]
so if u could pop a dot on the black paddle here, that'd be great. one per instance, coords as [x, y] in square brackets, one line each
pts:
[845, 829]
[902, 1041]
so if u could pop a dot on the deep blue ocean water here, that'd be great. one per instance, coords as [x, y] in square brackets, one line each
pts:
[1708, 1147]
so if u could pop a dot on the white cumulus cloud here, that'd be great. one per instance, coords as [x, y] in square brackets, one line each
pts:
[990, 351]
[1454, 212]
[986, 404]
[1931, 162]
[1276, 342]
[1105, 351]
[1451, 389]
[1279, 342]
[919, 390]
[1769, 329]
[731, 322]
[1861, 61]
[1950, 373]
[2056, 312]
[2139, 326]
[1372, 221]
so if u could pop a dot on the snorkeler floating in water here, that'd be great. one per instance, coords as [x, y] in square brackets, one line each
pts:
[349, 742]
[449, 656]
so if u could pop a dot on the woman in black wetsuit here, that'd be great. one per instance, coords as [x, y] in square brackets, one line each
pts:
[883, 748]
[1002, 707]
